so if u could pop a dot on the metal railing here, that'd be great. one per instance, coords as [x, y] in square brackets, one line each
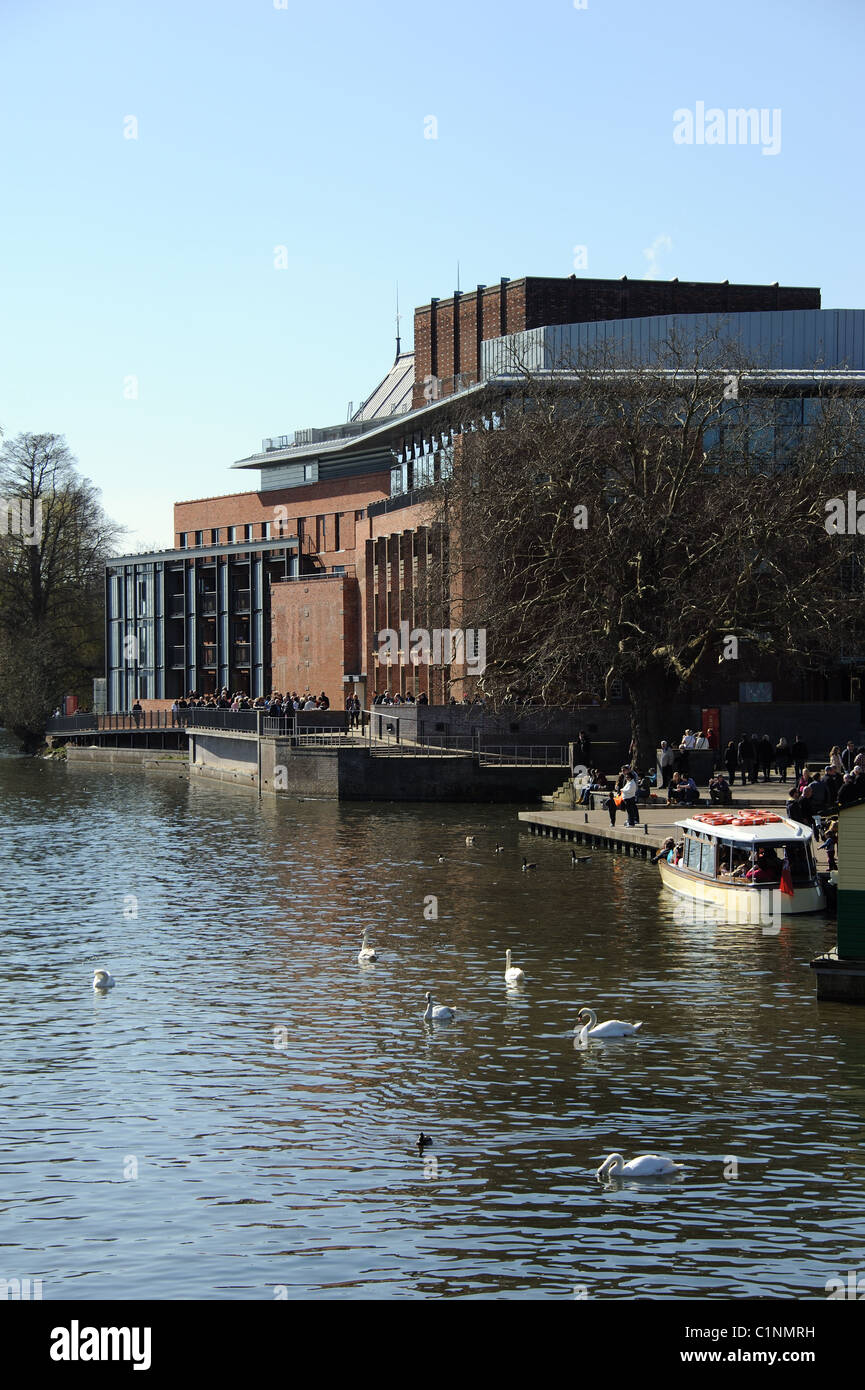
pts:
[176, 606]
[238, 721]
[525, 755]
[208, 603]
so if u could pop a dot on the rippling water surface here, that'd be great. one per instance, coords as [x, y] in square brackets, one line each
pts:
[238, 1117]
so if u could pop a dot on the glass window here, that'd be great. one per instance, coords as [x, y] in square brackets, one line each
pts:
[232, 534]
[214, 536]
[265, 530]
[182, 540]
[707, 858]
[692, 854]
[247, 531]
[198, 537]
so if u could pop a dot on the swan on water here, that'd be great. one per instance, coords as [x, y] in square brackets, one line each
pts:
[500, 849]
[441, 859]
[438, 1014]
[366, 951]
[526, 866]
[102, 980]
[513, 974]
[646, 1166]
[613, 1028]
[470, 839]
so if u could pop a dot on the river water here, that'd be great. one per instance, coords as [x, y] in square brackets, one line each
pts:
[238, 1117]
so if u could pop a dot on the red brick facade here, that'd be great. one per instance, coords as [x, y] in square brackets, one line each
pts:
[316, 631]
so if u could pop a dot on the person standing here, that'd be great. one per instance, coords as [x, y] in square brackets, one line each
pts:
[766, 753]
[782, 758]
[731, 760]
[799, 752]
[629, 797]
[747, 759]
[665, 762]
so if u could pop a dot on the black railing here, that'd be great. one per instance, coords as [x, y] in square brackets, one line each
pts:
[208, 654]
[240, 600]
[241, 721]
[176, 606]
[178, 658]
[242, 653]
[207, 604]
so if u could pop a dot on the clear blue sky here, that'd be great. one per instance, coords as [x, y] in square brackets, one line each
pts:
[303, 127]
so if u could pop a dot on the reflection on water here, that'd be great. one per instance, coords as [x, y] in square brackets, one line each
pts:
[241, 1112]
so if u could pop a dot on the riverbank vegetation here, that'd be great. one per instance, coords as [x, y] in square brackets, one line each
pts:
[54, 541]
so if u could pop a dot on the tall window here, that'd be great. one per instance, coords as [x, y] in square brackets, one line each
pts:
[232, 534]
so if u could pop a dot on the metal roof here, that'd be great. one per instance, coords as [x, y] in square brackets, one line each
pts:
[393, 395]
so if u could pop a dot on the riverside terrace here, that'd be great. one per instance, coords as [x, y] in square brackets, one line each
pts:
[315, 754]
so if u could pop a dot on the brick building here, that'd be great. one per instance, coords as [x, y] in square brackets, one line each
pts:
[287, 584]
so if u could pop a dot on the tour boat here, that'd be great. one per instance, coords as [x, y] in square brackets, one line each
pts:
[720, 847]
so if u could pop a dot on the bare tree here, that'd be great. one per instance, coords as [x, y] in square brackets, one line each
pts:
[54, 541]
[614, 521]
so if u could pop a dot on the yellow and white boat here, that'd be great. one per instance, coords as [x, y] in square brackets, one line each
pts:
[734, 865]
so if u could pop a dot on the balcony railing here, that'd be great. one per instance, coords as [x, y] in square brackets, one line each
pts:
[178, 658]
[207, 603]
[176, 606]
[208, 654]
[242, 652]
[240, 600]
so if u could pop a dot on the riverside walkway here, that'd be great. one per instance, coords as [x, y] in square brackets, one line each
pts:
[657, 821]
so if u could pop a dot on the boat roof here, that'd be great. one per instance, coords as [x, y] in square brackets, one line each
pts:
[774, 833]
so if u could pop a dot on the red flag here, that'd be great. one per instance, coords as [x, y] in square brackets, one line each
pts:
[786, 877]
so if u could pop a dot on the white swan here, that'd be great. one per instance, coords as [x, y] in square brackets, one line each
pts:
[513, 974]
[366, 952]
[470, 839]
[102, 980]
[438, 1014]
[646, 1166]
[613, 1028]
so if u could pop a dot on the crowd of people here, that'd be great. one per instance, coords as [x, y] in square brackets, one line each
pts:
[387, 698]
[275, 704]
[814, 800]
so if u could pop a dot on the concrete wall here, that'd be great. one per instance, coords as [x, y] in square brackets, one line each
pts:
[820, 725]
[151, 759]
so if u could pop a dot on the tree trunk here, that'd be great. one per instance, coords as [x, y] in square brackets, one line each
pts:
[650, 691]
